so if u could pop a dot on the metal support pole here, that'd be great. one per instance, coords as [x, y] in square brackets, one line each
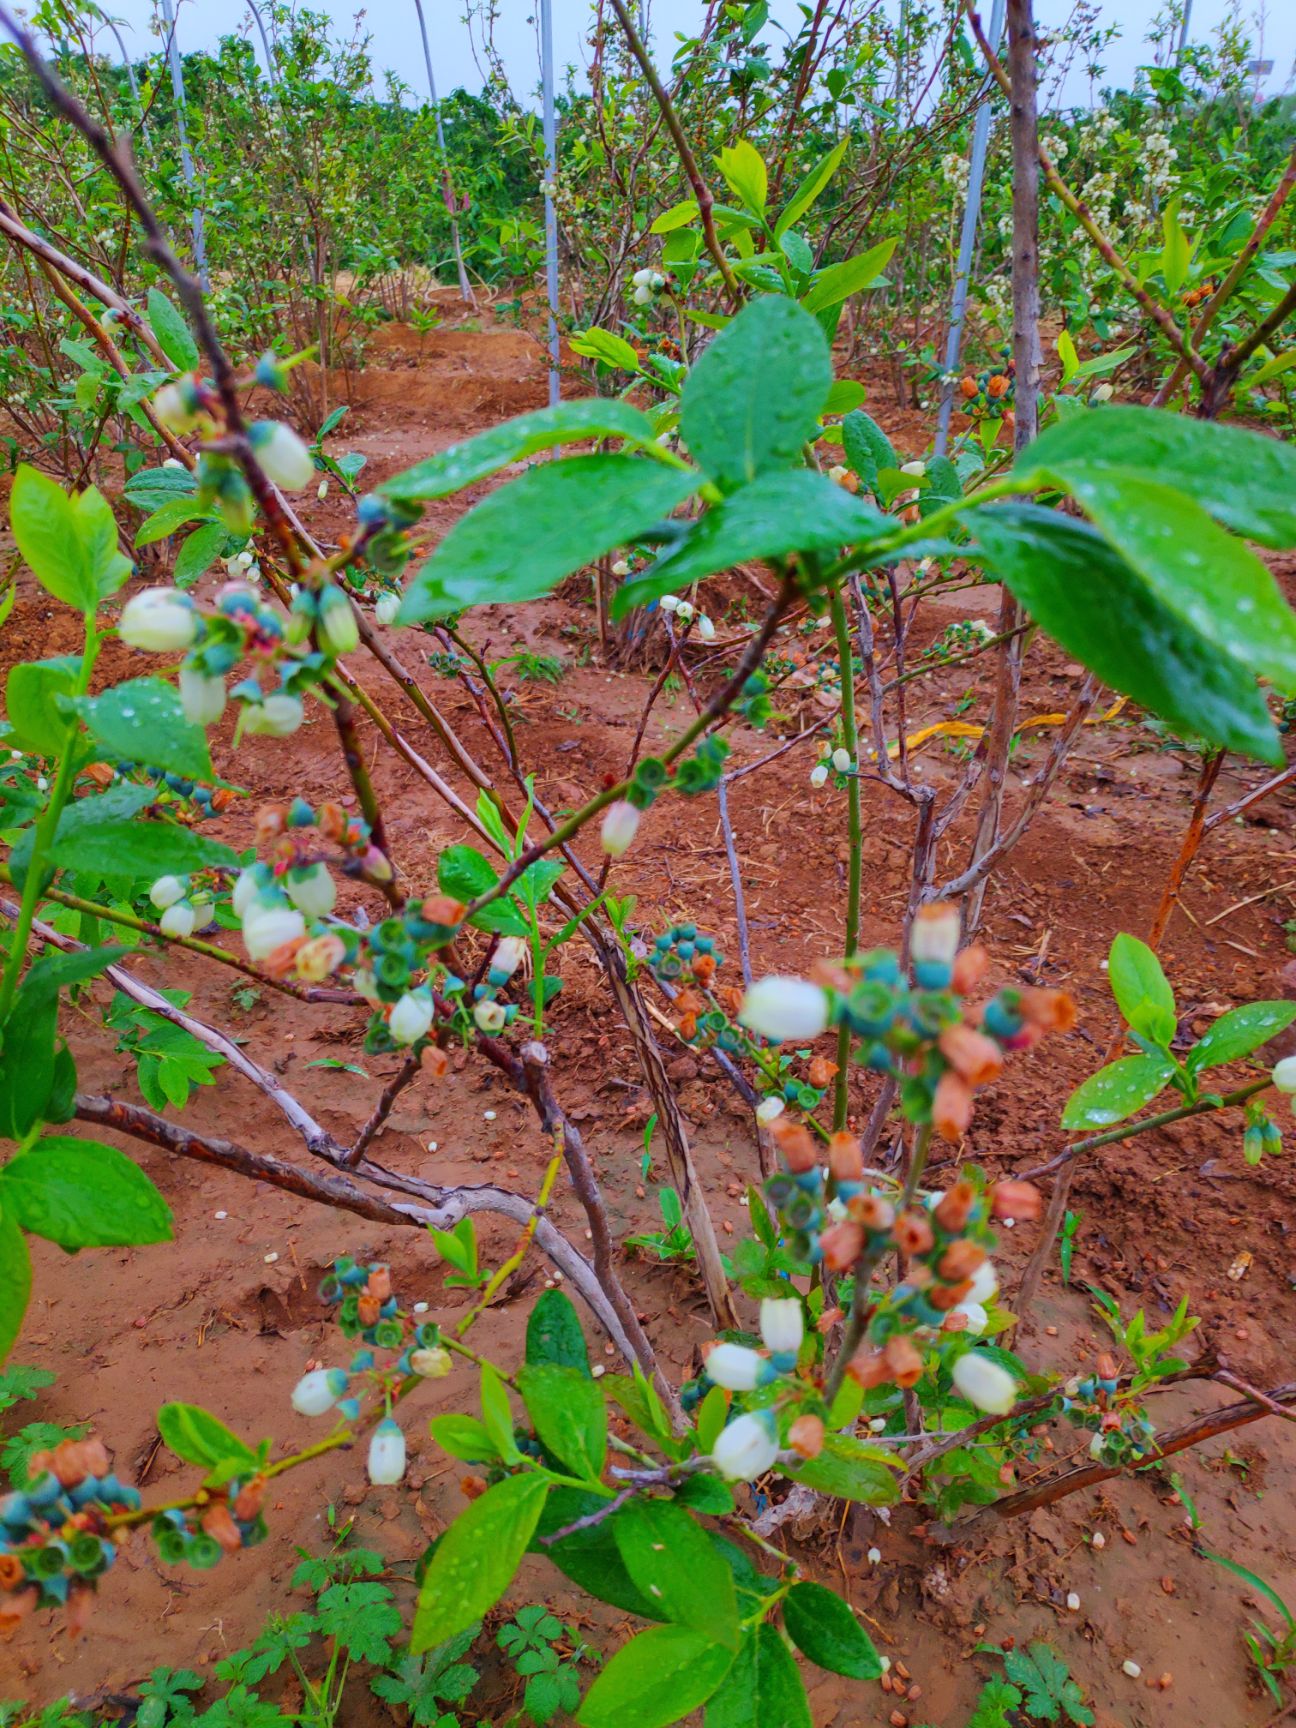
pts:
[186, 155]
[271, 68]
[130, 71]
[967, 245]
[1183, 32]
[551, 172]
[447, 184]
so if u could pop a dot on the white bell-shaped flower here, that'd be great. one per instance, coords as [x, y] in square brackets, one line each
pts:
[737, 1368]
[411, 1017]
[782, 1324]
[160, 620]
[386, 1454]
[314, 892]
[784, 1008]
[179, 919]
[985, 1384]
[746, 1448]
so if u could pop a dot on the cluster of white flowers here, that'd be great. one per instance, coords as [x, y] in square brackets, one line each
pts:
[955, 171]
[1057, 146]
[1159, 157]
[243, 566]
[684, 612]
[1098, 192]
[645, 286]
[749, 1445]
[180, 914]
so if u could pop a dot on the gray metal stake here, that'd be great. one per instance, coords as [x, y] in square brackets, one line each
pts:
[551, 171]
[186, 155]
[967, 245]
[271, 68]
[130, 71]
[447, 187]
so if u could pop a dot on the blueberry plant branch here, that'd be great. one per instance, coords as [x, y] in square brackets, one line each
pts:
[1022, 79]
[1191, 1433]
[714, 711]
[688, 162]
[1127, 1130]
[854, 832]
[192, 944]
[1150, 306]
[1241, 264]
[1194, 832]
[420, 1203]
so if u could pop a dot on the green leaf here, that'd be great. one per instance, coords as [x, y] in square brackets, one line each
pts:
[1200, 571]
[657, 1678]
[866, 447]
[45, 528]
[995, 1702]
[1067, 355]
[142, 721]
[763, 1689]
[554, 1335]
[497, 1415]
[565, 514]
[199, 552]
[1102, 612]
[604, 345]
[198, 1437]
[567, 1410]
[174, 514]
[463, 1437]
[544, 429]
[464, 873]
[1117, 1091]
[118, 803]
[745, 174]
[30, 706]
[795, 510]
[139, 849]
[837, 283]
[676, 217]
[27, 1063]
[1141, 988]
[590, 1557]
[1042, 1675]
[713, 1414]
[151, 488]
[671, 1559]
[1244, 479]
[172, 332]
[54, 972]
[706, 1493]
[361, 1618]
[851, 1470]
[1176, 252]
[823, 1628]
[81, 1194]
[754, 396]
[96, 528]
[475, 1560]
[15, 1280]
[844, 396]
[1240, 1031]
[809, 189]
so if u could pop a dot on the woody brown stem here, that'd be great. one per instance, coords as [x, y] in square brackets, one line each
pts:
[1191, 1433]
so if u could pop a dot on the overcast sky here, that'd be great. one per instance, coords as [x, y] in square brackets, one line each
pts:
[394, 29]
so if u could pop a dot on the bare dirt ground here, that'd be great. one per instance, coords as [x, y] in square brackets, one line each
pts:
[229, 1317]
